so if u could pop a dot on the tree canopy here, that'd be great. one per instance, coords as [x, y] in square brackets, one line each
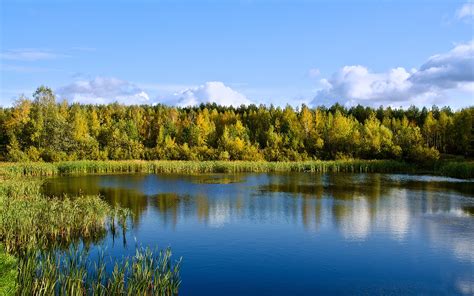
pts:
[43, 129]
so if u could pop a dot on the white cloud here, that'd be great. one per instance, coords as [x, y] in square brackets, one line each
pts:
[210, 92]
[401, 87]
[466, 12]
[165, 88]
[355, 225]
[103, 90]
[450, 69]
[29, 55]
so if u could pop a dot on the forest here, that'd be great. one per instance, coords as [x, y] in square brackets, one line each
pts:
[43, 129]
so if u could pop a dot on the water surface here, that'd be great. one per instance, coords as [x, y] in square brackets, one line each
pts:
[298, 233]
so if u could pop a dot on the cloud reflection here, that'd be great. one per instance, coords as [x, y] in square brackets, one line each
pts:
[358, 207]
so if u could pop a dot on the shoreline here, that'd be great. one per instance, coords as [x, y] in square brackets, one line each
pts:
[460, 170]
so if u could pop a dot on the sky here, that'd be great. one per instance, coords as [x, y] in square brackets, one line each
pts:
[391, 53]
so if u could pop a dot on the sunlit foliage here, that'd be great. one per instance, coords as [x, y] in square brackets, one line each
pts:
[45, 130]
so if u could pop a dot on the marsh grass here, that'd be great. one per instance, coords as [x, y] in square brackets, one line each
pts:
[71, 272]
[28, 219]
[39, 230]
[8, 273]
[135, 166]
[461, 169]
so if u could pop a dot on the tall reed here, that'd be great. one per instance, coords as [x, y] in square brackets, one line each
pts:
[463, 169]
[460, 169]
[71, 272]
[37, 229]
[29, 220]
[134, 166]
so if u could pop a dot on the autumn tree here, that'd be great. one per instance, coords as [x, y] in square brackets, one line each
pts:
[43, 129]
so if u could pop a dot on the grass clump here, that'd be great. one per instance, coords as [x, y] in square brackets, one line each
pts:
[70, 272]
[28, 219]
[32, 220]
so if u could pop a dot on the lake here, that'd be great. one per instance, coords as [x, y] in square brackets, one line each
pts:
[297, 233]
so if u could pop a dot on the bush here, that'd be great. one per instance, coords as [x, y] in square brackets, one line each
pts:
[423, 155]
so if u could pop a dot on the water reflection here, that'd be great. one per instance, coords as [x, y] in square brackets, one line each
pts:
[382, 213]
[356, 204]
[107, 187]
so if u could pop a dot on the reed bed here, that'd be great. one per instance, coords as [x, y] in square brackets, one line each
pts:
[71, 272]
[15, 188]
[462, 169]
[27, 218]
[37, 230]
[459, 169]
[8, 273]
[190, 167]
[29, 221]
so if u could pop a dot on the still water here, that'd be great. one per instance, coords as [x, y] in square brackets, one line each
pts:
[298, 233]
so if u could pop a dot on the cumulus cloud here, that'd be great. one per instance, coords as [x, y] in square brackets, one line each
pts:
[103, 90]
[353, 85]
[29, 55]
[450, 69]
[210, 92]
[466, 12]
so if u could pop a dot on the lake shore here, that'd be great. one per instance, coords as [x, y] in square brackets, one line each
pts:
[455, 169]
[38, 234]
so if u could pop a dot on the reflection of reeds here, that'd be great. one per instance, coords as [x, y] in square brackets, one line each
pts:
[70, 272]
[38, 229]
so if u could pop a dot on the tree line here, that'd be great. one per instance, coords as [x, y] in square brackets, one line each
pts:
[42, 129]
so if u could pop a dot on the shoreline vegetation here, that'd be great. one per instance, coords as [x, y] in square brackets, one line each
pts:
[454, 169]
[44, 245]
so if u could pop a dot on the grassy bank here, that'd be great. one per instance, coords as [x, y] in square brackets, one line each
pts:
[462, 170]
[451, 169]
[36, 233]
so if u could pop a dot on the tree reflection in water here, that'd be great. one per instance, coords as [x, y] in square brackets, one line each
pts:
[356, 206]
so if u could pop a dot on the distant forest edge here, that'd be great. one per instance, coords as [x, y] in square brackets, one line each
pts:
[42, 129]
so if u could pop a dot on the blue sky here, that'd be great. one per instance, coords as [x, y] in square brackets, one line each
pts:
[282, 52]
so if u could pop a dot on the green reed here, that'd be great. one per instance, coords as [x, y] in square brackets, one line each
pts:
[136, 166]
[36, 229]
[28, 220]
[460, 169]
[463, 169]
[8, 273]
[71, 272]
